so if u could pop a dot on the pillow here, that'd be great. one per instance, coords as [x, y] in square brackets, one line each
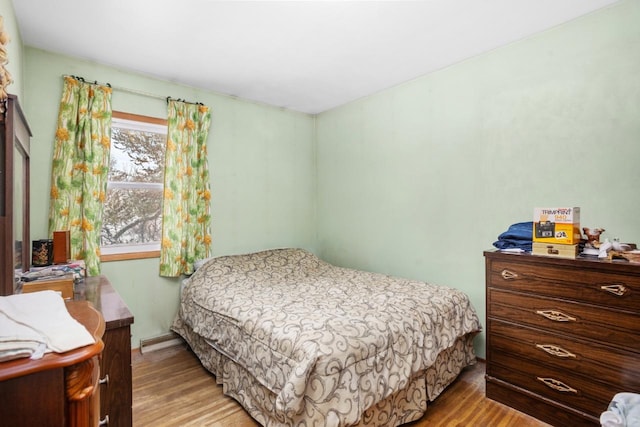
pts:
[199, 263]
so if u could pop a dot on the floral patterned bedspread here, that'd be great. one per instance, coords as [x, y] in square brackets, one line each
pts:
[313, 333]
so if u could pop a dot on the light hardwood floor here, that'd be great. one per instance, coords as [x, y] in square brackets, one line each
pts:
[171, 388]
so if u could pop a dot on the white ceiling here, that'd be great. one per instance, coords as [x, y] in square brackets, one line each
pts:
[308, 56]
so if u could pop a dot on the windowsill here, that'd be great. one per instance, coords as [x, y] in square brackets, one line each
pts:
[129, 252]
[124, 256]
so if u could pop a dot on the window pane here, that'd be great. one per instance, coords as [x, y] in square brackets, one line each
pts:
[132, 219]
[136, 156]
[132, 216]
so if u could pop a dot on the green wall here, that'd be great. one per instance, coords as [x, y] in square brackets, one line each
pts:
[415, 181]
[420, 179]
[261, 160]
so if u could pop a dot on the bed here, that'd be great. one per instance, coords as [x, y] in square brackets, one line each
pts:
[300, 342]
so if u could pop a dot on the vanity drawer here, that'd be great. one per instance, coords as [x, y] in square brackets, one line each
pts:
[511, 343]
[590, 286]
[618, 329]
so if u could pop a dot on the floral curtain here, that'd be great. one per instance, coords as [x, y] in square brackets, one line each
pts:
[186, 226]
[80, 166]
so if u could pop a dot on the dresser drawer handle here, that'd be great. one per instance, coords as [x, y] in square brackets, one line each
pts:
[104, 421]
[554, 350]
[557, 385]
[618, 290]
[104, 380]
[556, 316]
[508, 275]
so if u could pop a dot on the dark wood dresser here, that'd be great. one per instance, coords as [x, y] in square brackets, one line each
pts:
[563, 335]
[116, 393]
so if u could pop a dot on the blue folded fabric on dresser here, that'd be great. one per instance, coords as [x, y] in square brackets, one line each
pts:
[517, 236]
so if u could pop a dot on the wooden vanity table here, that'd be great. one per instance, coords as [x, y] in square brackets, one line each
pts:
[89, 386]
[59, 389]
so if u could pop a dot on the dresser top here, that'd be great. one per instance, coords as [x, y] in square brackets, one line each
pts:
[583, 262]
[99, 291]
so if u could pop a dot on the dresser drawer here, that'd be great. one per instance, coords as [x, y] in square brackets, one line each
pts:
[116, 396]
[614, 290]
[558, 385]
[618, 329]
[510, 343]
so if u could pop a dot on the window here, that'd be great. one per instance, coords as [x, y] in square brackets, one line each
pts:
[132, 218]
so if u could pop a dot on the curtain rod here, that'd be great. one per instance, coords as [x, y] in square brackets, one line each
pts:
[133, 91]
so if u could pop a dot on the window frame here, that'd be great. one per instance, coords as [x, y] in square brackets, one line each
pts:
[142, 254]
